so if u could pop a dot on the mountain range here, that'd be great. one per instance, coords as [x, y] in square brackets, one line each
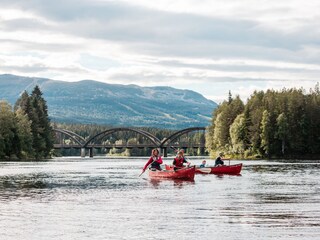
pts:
[93, 102]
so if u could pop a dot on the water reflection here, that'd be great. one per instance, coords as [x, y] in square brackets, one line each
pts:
[156, 183]
[23, 181]
[262, 198]
[221, 176]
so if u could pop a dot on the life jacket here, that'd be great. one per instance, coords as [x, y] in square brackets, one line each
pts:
[155, 163]
[218, 161]
[179, 162]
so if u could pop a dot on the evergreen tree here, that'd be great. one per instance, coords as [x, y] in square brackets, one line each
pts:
[266, 133]
[221, 132]
[24, 133]
[282, 131]
[23, 102]
[9, 143]
[253, 115]
[229, 97]
[40, 125]
[237, 133]
[218, 138]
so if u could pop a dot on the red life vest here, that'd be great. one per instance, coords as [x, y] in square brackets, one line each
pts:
[179, 162]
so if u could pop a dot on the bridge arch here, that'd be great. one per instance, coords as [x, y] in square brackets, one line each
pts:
[166, 142]
[105, 133]
[74, 136]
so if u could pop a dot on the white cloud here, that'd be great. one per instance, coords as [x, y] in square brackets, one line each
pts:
[209, 46]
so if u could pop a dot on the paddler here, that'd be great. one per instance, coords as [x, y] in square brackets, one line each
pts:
[179, 160]
[155, 160]
[219, 161]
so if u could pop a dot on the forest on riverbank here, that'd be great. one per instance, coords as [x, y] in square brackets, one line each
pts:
[25, 130]
[271, 124]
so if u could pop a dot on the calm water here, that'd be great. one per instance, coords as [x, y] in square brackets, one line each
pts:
[105, 199]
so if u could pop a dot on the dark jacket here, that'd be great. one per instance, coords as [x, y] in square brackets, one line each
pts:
[218, 161]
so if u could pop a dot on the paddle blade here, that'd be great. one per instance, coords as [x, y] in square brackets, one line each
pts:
[204, 170]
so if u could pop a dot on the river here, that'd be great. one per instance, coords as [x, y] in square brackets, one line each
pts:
[74, 198]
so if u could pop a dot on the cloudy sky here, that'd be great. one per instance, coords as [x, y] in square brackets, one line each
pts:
[209, 46]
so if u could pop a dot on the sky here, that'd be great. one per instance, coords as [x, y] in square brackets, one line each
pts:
[209, 46]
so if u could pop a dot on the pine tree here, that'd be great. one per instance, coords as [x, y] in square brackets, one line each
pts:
[229, 97]
[40, 126]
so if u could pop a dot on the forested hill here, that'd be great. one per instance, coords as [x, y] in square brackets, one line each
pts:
[118, 105]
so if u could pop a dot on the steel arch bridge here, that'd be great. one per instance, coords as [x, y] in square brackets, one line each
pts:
[74, 136]
[92, 142]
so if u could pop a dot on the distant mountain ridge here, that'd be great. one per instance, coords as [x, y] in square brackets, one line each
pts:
[93, 102]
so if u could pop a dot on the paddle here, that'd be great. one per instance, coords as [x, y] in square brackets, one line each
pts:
[141, 173]
[204, 170]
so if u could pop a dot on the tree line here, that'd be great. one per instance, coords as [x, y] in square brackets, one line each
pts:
[25, 131]
[270, 124]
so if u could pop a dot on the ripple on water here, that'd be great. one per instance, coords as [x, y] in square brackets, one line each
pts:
[105, 199]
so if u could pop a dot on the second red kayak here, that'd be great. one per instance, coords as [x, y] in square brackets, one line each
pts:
[224, 169]
[186, 173]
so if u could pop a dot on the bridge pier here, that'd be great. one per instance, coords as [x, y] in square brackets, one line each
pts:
[202, 151]
[91, 152]
[164, 151]
[83, 152]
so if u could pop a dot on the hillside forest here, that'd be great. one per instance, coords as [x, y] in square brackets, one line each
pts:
[271, 124]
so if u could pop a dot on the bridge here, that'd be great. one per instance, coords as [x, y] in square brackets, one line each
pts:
[67, 139]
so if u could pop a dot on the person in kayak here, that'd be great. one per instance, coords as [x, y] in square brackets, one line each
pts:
[179, 160]
[203, 164]
[219, 161]
[155, 160]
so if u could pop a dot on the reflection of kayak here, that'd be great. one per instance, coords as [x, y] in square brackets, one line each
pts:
[183, 173]
[224, 169]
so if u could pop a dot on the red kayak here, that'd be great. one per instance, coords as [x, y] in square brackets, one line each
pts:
[224, 169]
[182, 174]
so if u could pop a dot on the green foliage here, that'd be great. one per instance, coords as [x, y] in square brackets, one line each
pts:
[273, 124]
[282, 129]
[7, 131]
[265, 132]
[218, 136]
[25, 133]
[237, 134]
